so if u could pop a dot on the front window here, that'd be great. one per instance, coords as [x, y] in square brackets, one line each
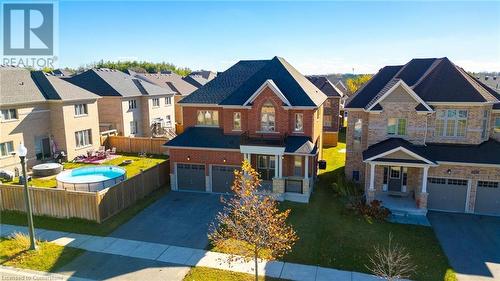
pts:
[133, 127]
[156, 102]
[6, 148]
[451, 122]
[396, 126]
[168, 100]
[358, 125]
[485, 123]
[237, 121]
[9, 114]
[267, 117]
[208, 118]
[80, 109]
[83, 138]
[497, 125]
[132, 104]
[299, 122]
[327, 121]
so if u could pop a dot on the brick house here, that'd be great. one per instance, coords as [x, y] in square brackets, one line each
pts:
[261, 110]
[332, 108]
[428, 133]
[131, 106]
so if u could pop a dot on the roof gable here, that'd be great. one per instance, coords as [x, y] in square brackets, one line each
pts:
[271, 85]
[400, 84]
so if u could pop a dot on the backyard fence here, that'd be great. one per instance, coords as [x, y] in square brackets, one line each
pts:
[136, 144]
[95, 206]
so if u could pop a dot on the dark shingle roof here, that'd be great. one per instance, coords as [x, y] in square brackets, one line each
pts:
[484, 153]
[433, 80]
[325, 86]
[237, 84]
[205, 138]
[292, 143]
[110, 82]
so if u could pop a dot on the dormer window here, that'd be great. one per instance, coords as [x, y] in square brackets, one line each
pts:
[267, 117]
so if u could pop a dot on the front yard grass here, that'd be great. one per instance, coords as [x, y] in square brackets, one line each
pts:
[48, 257]
[84, 226]
[211, 274]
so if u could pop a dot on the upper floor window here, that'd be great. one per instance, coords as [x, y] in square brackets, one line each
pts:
[132, 104]
[327, 120]
[299, 122]
[328, 103]
[396, 126]
[9, 114]
[208, 118]
[168, 100]
[168, 121]
[485, 124]
[80, 109]
[156, 102]
[6, 148]
[451, 122]
[267, 117]
[358, 126]
[237, 121]
[83, 138]
[497, 125]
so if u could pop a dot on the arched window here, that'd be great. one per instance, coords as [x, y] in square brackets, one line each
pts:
[267, 117]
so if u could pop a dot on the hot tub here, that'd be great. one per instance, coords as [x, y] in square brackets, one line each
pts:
[91, 179]
[46, 169]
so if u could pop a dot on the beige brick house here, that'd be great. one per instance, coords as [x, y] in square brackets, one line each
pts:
[263, 111]
[426, 134]
[47, 114]
[131, 106]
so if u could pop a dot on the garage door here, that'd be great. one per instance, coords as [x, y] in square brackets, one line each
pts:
[447, 194]
[222, 178]
[488, 198]
[191, 177]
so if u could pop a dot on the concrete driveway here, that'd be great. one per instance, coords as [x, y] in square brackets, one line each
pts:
[179, 219]
[471, 243]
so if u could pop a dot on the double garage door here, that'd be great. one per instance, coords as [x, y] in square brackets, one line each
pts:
[192, 177]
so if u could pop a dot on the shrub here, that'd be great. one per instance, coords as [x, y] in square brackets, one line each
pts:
[373, 210]
[21, 240]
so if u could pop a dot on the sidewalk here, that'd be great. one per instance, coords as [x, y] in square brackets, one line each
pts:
[188, 256]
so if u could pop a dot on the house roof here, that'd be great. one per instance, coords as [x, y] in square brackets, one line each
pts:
[55, 88]
[484, 153]
[62, 72]
[325, 86]
[196, 80]
[207, 74]
[433, 80]
[110, 82]
[237, 84]
[168, 80]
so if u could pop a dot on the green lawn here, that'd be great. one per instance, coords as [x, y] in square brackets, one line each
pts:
[84, 226]
[211, 274]
[48, 256]
[134, 168]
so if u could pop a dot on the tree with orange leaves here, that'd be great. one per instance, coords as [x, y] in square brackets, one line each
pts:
[253, 220]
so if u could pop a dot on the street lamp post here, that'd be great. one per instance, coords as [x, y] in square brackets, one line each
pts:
[22, 155]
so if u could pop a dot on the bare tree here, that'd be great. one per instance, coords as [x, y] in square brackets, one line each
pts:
[392, 262]
[252, 219]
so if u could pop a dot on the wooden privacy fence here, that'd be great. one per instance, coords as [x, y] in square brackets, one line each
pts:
[136, 144]
[95, 206]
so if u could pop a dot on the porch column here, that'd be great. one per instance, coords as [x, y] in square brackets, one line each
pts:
[424, 179]
[276, 166]
[372, 177]
[306, 167]
[280, 173]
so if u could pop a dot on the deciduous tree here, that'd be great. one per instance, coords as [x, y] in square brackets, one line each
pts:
[354, 84]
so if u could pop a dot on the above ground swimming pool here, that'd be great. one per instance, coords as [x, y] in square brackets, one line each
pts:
[90, 179]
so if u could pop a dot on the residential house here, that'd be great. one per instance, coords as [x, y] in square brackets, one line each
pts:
[332, 118]
[200, 78]
[490, 79]
[428, 132]
[263, 111]
[131, 106]
[174, 82]
[47, 114]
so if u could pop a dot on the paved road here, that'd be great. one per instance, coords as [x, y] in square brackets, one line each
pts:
[471, 243]
[179, 219]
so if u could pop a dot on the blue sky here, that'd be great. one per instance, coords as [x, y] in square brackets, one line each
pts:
[315, 37]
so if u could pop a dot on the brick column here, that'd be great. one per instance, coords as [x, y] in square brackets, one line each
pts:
[279, 185]
[422, 200]
[305, 186]
[370, 195]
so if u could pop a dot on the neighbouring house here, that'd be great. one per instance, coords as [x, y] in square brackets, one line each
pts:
[200, 78]
[62, 72]
[264, 111]
[131, 106]
[47, 114]
[426, 135]
[332, 108]
[174, 82]
[490, 79]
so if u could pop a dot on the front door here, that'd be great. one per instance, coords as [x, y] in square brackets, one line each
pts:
[395, 176]
[266, 167]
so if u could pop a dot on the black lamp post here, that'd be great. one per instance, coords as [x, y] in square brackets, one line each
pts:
[22, 155]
